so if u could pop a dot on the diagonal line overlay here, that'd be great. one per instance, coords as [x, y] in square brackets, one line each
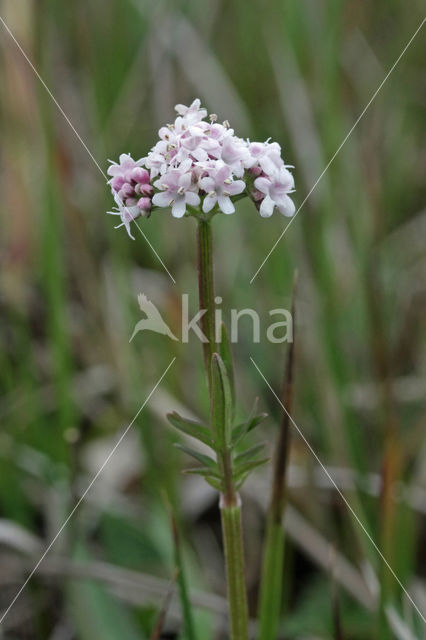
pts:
[340, 147]
[78, 136]
[83, 496]
[347, 504]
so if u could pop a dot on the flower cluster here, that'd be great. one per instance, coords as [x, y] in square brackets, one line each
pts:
[201, 165]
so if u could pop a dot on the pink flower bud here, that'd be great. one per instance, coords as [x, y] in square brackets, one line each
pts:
[117, 183]
[139, 175]
[144, 204]
[145, 189]
[257, 195]
[255, 171]
[126, 191]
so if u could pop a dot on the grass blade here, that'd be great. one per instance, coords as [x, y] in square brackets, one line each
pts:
[188, 621]
[273, 551]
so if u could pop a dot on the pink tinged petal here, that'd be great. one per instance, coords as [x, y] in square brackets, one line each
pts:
[179, 207]
[185, 180]
[287, 207]
[130, 213]
[185, 166]
[209, 202]
[222, 174]
[131, 202]
[225, 204]
[267, 165]
[114, 170]
[158, 184]
[127, 227]
[236, 187]
[162, 199]
[266, 207]
[238, 169]
[207, 184]
[126, 161]
[192, 198]
[262, 184]
[200, 154]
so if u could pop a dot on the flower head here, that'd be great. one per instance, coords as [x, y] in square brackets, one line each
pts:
[200, 165]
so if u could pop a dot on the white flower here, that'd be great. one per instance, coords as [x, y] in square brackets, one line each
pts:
[193, 113]
[275, 189]
[235, 154]
[177, 190]
[219, 186]
[127, 214]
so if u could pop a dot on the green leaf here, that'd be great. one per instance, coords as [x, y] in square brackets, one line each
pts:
[226, 355]
[205, 460]
[221, 404]
[247, 455]
[190, 427]
[241, 471]
[245, 427]
[214, 480]
[203, 471]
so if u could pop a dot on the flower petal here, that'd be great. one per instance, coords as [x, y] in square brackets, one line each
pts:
[209, 202]
[207, 184]
[287, 206]
[179, 207]
[225, 204]
[266, 207]
[262, 184]
[236, 187]
[161, 199]
[192, 198]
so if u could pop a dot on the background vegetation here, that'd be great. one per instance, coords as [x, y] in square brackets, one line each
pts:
[300, 72]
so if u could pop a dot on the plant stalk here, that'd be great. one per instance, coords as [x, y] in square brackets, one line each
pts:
[206, 292]
[230, 504]
[235, 574]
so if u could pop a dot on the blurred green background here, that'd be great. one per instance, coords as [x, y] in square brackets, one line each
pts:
[300, 72]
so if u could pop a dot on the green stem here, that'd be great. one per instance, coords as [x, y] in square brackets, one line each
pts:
[206, 292]
[230, 502]
[234, 558]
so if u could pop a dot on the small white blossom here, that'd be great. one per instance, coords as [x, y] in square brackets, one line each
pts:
[177, 190]
[276, 188]
[219, 186]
